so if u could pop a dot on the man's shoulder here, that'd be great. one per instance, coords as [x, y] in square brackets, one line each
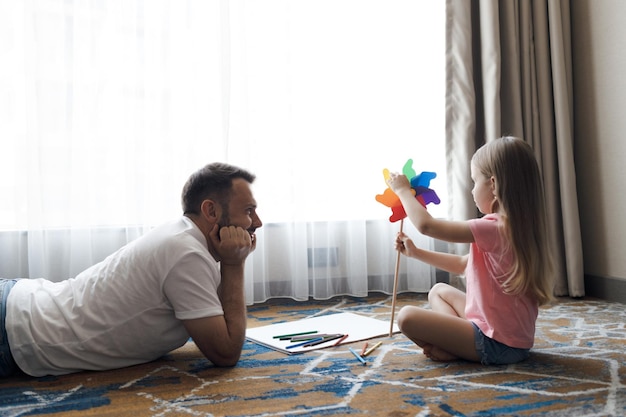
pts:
[181, 231]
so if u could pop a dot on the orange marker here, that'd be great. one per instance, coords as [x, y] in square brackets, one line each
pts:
[370, 350]
[344, 337]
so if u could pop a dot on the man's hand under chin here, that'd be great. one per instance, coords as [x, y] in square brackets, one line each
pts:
[233, 244]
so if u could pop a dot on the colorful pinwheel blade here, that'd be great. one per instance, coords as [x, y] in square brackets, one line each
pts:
[419, 186]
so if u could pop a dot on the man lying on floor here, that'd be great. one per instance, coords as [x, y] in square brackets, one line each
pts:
[182, 279]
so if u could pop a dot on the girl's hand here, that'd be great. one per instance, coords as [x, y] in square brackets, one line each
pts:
[405, 245]
[398, 182]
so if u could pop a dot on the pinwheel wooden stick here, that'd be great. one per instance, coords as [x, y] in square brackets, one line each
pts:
[423, 194]
[395, 285]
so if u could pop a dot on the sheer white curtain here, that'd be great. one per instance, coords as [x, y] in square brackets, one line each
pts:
[107, 107]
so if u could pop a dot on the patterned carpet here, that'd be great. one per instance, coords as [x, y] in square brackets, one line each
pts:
[577, 368]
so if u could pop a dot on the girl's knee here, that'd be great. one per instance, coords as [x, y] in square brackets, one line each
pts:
[437, 290]
[406, 315]
[402, 317]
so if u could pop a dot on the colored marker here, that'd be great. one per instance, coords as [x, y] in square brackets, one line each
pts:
[293, 334]
[324, 340]
[370, 350]
[359, 357]
[309, 337]
[304, 343]
[344, 337]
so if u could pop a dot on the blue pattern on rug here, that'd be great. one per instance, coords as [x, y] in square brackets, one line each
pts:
[577, 368]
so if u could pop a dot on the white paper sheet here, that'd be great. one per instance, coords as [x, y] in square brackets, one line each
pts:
[356, 326]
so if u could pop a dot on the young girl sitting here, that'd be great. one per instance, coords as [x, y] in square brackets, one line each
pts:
[508, 270]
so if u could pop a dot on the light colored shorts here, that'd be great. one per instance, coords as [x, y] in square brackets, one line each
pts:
[492, 352]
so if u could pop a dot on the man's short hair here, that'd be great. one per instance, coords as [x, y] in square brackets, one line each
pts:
[213, 181]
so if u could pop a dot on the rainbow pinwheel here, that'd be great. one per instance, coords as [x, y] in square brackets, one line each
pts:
[423, 194]
[419, 186]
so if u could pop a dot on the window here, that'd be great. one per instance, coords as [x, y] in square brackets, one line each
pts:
[107, 107]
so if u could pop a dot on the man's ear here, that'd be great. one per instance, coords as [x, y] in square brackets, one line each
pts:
[210, 210]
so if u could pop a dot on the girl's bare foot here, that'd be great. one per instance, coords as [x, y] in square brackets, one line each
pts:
[437, 354]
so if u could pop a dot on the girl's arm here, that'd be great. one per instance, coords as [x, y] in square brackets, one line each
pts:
[450, 231]
[446, 261]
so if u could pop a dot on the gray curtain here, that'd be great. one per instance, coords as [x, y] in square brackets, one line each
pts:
[509, 72]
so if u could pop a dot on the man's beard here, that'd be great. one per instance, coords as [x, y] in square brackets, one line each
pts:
[223, 221]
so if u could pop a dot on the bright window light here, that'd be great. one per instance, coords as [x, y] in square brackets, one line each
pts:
[107, 107]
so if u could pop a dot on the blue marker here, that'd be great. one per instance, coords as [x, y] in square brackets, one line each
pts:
[359, 357]
[304, 343]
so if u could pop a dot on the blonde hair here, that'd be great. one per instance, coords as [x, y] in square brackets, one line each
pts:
[520, 203]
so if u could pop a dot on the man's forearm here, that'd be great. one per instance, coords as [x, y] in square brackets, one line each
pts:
[232, 296]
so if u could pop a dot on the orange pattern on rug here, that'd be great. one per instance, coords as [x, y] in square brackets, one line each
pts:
[577, 368]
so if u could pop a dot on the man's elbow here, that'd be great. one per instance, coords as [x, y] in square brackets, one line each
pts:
[225, 360]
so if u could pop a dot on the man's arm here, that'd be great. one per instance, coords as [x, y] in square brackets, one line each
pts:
[221, 338]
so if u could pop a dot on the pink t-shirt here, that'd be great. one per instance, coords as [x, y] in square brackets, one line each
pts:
[509, 319]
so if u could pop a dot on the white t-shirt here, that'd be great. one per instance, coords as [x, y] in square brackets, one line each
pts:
[122, 311]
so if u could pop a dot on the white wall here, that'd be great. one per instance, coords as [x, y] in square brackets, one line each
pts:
[599, 59]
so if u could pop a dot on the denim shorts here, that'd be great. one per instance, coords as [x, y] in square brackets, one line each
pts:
[7, 364]
[492, 352]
